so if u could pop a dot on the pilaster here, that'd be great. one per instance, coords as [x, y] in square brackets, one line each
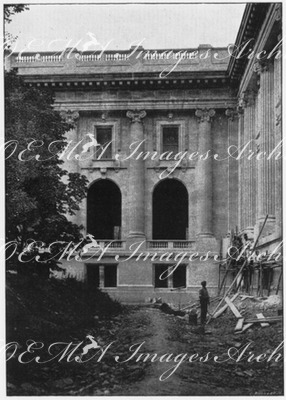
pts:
[265, 165]
[249, 166]
[278, 140]
[232, 170]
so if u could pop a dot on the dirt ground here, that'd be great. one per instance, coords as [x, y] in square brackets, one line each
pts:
[161, 333]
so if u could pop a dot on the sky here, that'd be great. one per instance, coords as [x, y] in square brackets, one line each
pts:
[118, 26]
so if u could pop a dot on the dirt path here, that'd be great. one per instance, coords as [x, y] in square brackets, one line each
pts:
[167, 334]
[159, 343]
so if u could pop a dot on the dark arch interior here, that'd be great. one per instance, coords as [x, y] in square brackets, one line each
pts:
[104, 210]
[170, 211]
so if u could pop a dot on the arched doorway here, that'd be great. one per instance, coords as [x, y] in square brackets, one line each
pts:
[170, 211]
[104, 210]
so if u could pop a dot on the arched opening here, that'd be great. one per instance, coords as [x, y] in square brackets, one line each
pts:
[104, 210]
[170, 211]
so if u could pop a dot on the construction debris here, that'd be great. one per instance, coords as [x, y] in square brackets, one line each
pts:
[263, 324]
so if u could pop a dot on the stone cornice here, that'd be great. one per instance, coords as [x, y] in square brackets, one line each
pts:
[260, 45]
[191, 80]
[253, 17]
[124, 105]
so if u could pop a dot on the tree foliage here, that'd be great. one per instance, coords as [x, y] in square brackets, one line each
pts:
[9, 11]
[39, 192]
[12, 9]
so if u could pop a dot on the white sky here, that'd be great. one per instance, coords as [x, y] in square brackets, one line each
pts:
[156, 25]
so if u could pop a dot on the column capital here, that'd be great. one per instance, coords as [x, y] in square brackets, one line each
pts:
[250, 96]
[261, 66]
[241, 103]
[70, 117]
[231, 113]
[247, 98]
[205, 114]
[136, 116]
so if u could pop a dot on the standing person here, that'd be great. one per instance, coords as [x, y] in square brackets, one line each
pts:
[204, 300]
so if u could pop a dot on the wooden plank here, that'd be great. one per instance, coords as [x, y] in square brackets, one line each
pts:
[233, 308]
[222, 310]
[245, 327]
[263, 324]
[197, 303]
[239, 325]
[243, 297]
[241, 268]
[264, 320]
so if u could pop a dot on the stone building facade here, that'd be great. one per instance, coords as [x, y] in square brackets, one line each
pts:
[163, 188]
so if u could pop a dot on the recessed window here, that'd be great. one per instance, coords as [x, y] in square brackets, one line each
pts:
[101, 275]
[110, 275]
[159, 270]
[176, 279]
[92, 275]
[104, 139]
[170, 139]
[179, 277]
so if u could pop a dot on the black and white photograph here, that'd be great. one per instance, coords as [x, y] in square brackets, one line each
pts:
[142, 164]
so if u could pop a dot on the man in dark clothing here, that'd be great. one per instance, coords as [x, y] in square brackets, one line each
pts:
[204, 300]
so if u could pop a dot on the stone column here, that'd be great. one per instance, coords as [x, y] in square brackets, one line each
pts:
[136, 178]
[232, 221]
[266, 167]
[204, 174]
[278, 139]
[241, 205]
[249, 164]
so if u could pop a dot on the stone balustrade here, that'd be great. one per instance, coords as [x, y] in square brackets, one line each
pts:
[203, 57]
[170, 244]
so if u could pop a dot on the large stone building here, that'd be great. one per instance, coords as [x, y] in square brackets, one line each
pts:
[199, 104]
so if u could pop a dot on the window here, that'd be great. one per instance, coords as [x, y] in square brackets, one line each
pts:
[170, 139]
[92, 275]
[176, 279]
[159, 270]
[101, 275]
[104, 139]
[110, 275]
[179, 277]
